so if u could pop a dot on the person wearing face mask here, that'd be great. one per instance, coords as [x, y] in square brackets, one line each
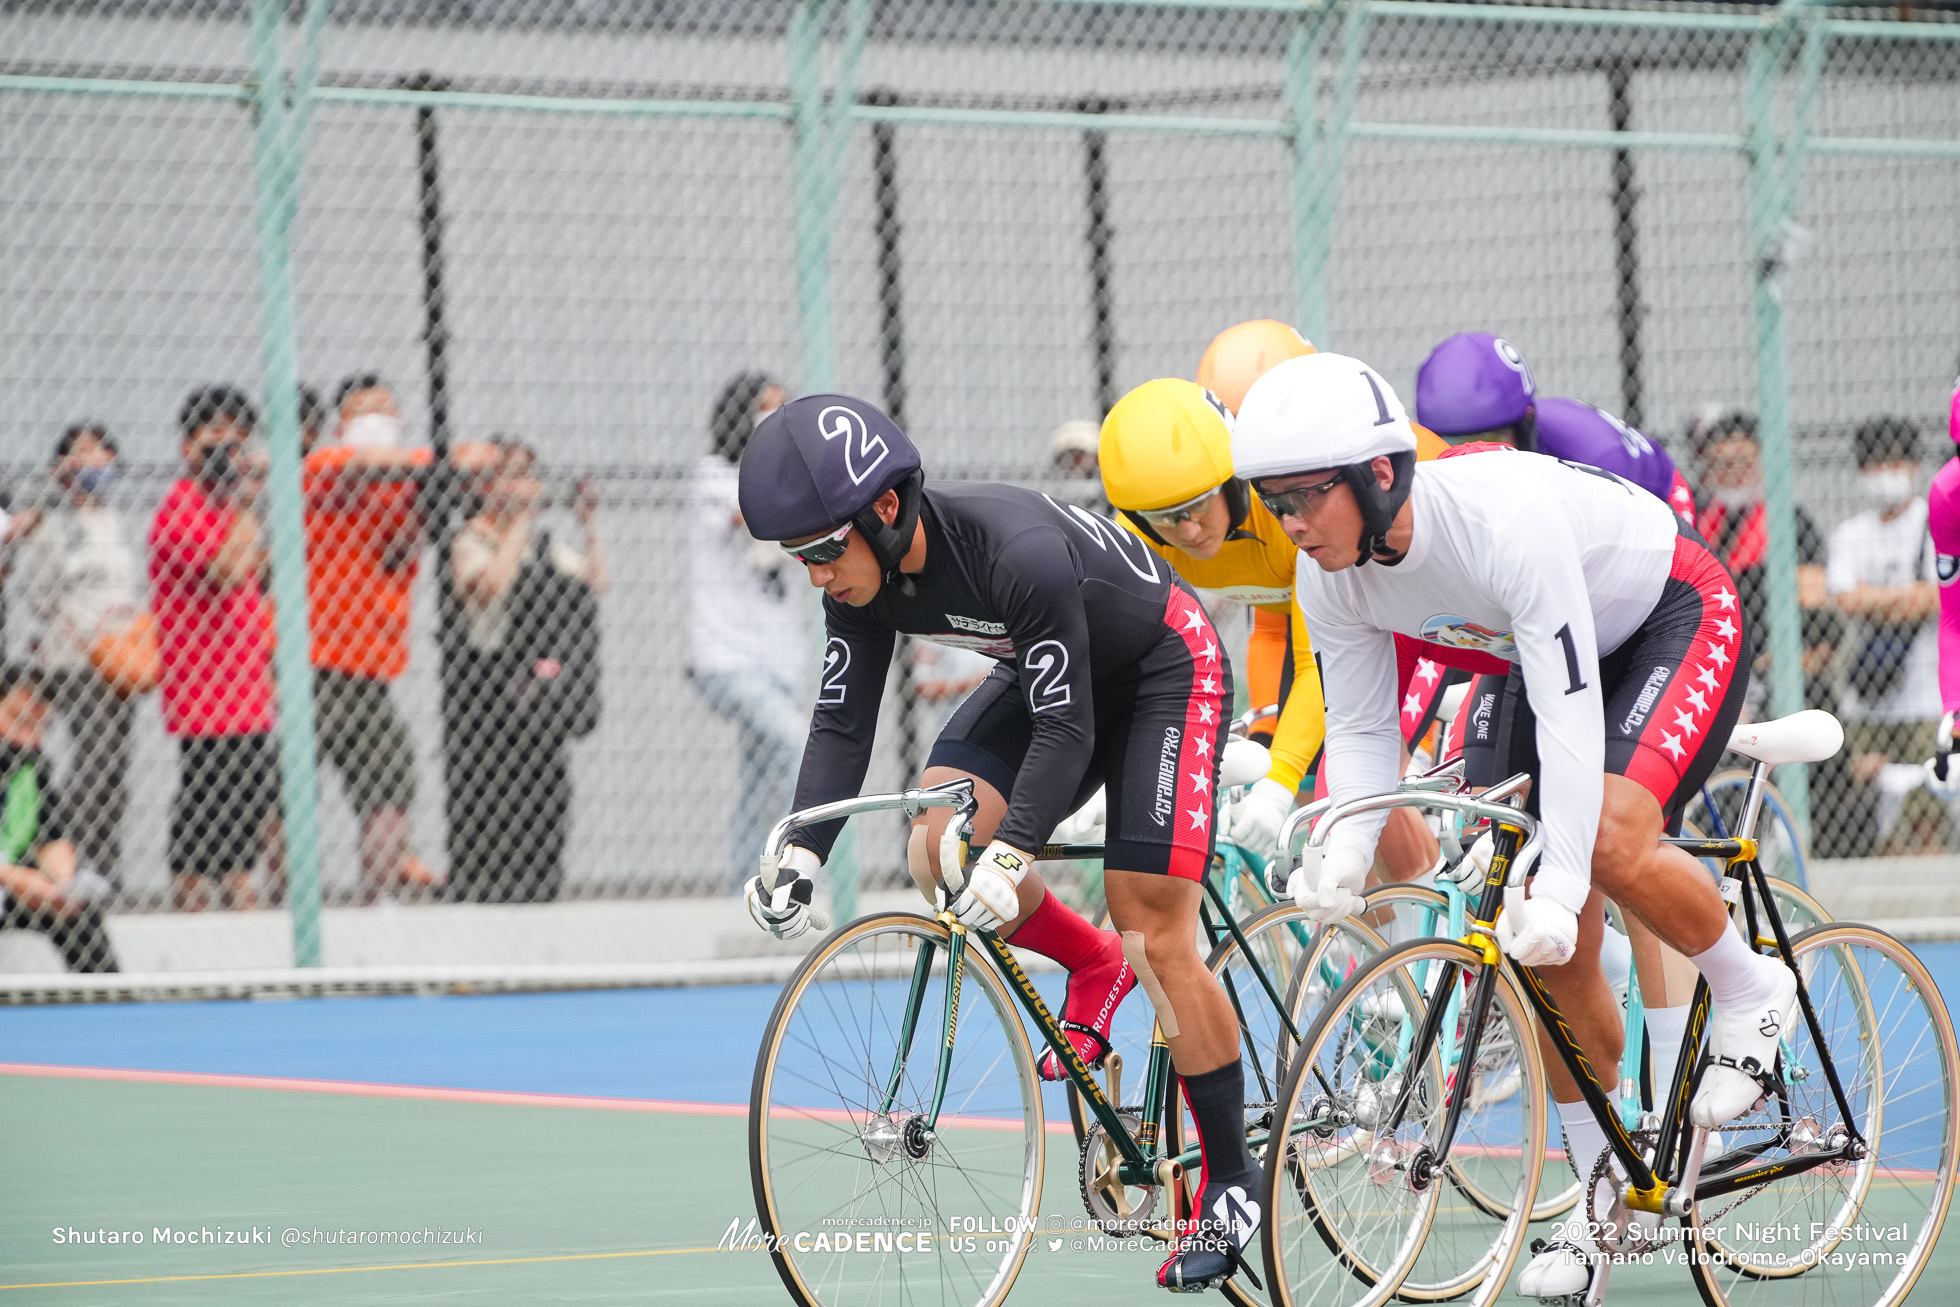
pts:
[749, 631]
[207, 560]
[78, 579]
[1883, 575]
[363, 547]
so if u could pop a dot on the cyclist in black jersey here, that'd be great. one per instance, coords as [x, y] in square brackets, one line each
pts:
[1109, 675]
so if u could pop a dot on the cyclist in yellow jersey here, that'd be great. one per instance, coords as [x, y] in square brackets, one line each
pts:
[1166, 467]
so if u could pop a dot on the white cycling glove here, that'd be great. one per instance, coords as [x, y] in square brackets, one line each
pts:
[1327, 885]
[1537, 932]
[992, 889]
[785, 911]
[1256, 817]
[1943, 771]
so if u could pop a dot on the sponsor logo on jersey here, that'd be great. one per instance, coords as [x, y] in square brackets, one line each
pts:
[975, 625]
[1656, 682]
[1462, 633]
[1160, 811]
[1253, 594]
[1481, 723]
[997, 649]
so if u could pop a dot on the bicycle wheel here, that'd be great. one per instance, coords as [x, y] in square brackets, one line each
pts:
[1417, 911]
[1858, 1231]
[829, 1159]
[1347, 1184]
[1717, 810]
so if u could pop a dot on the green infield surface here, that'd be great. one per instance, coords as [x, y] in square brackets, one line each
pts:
[552, 1203]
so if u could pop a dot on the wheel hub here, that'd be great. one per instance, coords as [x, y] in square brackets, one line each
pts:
[880, 1138]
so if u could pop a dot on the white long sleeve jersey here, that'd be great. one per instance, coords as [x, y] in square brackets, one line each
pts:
[1540, 562]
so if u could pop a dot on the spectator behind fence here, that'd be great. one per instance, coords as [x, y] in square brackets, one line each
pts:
[363, 548]
[214, 640]
[1073, 461]
[526, 684]
[749, 627]
[78, 579]
[44, 885]
[1883, 577]
[1735, 523]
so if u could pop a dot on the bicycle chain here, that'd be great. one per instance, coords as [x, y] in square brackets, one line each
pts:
[1634, 1245]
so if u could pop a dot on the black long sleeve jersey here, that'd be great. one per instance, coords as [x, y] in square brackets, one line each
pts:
[1070, 599]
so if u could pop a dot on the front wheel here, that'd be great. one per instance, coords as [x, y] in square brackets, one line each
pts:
[840, 1140]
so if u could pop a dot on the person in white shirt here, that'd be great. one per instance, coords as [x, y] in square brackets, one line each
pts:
[79, 580]
[1630, 659]
[1883, 574]
[749, 629]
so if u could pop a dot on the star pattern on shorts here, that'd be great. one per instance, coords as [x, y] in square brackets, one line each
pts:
[1726, 598]
[1412, 705]
[1194, 620]
[1204, 746]
[1204, 712]
[1672, 743]
[1208, 686]
[1199, 816]
[1201, 781]
[1707, 677]
[1698, 699]
[1725, 628]
[1208, 651]
[1717, 654]
[1427, 672]
[1686, 721]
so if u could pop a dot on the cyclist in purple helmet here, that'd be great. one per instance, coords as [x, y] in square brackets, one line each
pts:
[1476, 386]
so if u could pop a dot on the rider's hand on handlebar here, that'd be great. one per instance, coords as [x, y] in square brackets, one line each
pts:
[1327, 886]
[1537, 932]
[1256, 817]
[1942, 773]
[785, 911]
[992, 891]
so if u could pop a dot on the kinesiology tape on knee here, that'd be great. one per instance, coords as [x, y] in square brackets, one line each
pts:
[1133, 950]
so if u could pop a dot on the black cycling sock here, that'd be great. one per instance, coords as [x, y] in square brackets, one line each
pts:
[1217, 1100]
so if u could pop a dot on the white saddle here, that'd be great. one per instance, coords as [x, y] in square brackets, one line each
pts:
[1809, 736]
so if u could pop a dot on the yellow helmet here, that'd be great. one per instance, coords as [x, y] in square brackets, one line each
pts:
[1167, 442]
[1239, 356]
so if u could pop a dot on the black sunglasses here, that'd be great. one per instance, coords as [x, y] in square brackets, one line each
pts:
[825, 549]
[1300, 502]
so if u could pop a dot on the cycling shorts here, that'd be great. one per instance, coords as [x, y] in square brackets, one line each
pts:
[1159, 727]
[1673, 691]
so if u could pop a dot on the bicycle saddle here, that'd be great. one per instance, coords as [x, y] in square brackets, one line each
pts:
[1809, 736]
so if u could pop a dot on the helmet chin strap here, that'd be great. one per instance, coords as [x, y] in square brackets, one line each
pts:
[1379, 506]
[889, 544]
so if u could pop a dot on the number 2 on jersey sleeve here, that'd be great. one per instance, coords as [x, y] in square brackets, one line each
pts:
[1574, 684]
[1047, 668]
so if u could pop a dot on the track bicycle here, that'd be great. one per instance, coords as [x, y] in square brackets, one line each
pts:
[1831, 1190]
[859, 1126]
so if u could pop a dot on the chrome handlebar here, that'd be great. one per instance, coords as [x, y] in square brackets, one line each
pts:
[1418, 793]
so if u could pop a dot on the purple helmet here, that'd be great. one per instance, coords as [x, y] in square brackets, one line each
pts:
[1473, 381]
[824, 460]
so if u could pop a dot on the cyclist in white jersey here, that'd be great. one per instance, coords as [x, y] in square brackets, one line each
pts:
[1630, 658]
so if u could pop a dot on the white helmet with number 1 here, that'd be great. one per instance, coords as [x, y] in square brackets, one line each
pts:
[1329, 412]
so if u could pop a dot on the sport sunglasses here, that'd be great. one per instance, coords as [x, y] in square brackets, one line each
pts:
[1300, 502]
[824, 549]
[1176, 513]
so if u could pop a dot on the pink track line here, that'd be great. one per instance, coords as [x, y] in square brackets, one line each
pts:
[436, 1093]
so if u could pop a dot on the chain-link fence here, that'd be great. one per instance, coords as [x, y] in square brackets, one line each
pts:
[566, 243]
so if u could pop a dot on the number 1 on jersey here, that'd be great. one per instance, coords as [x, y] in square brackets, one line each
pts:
[1574, 684]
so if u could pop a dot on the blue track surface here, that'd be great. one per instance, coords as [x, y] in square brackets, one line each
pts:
[694, 1045]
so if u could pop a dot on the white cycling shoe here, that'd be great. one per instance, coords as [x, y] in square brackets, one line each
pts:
[1561, 1271]
[1742, 1051]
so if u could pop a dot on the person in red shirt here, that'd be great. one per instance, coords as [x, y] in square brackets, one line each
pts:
[206, 557]
[363, 544]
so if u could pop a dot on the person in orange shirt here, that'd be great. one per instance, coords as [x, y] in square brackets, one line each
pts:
[363, 545]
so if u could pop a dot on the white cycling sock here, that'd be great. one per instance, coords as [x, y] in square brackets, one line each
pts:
[1738, 977]
[1666, 1026]
[1616, 959]
[1584, 1142]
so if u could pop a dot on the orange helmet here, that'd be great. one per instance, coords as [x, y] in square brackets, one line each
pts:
[1239, 356]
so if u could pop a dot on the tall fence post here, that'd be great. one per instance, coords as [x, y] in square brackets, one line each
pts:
[821, 134]
[1319, 150]
[1626, 242]
[1772, 203]
[277, 155]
